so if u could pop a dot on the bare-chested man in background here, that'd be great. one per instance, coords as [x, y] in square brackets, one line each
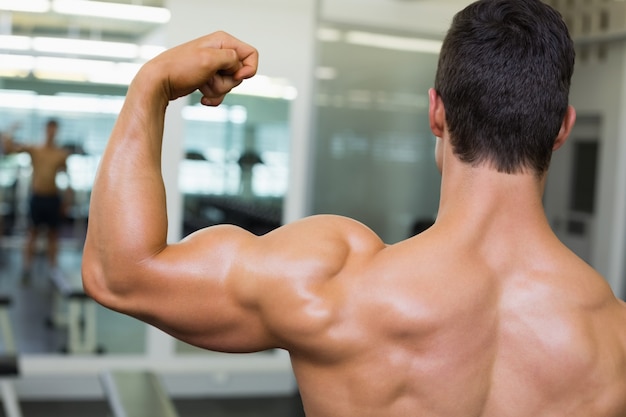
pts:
[486, 313]
[47, 160]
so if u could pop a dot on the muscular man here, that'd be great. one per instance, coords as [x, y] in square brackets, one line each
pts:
[45, 202]
[484, 314]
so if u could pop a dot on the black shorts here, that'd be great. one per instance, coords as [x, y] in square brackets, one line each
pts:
[45, 210]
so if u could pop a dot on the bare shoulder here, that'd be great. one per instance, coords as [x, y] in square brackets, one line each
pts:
[298, 273]
[320, 231]
[311, 250]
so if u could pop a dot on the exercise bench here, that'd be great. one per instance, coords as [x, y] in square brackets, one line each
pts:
[137, 394]
[80, 314]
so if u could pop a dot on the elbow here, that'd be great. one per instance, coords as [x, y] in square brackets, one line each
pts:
[101, 283]
[95, 282]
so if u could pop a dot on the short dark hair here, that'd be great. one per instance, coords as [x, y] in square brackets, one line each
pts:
[504, 76]
[52, 122]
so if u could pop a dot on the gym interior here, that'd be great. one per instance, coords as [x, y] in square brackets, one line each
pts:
[328, 126]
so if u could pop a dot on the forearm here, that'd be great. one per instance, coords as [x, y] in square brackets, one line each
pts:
[127, 219]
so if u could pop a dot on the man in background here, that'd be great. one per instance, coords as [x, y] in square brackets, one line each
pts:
[46, 202]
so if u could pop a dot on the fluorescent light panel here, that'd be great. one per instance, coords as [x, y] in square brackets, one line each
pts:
[107, 10]
[268, 87]
[221, 114]
[69, 103]
[15, 43]
[85, 47]
[377, 40]
[68, 69]
[19, 65]
[33, 6]
[393, 42]
[76, 47]
[112, 10]
[120, 73]
[325, 34]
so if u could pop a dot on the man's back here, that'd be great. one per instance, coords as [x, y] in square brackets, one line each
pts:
[414, 334]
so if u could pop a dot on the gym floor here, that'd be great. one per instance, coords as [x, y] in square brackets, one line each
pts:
[231, 407]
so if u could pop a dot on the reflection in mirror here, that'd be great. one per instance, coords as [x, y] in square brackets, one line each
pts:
[49, 311]
[235, 169]
[374, 158]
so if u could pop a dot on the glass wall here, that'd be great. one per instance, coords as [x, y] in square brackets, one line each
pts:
[374, 157]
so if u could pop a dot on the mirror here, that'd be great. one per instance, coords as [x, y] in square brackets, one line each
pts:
[49, 311]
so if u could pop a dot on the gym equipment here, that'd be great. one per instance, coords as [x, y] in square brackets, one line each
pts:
[137, 394]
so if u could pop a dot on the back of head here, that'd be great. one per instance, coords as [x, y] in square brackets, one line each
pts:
[504, 76]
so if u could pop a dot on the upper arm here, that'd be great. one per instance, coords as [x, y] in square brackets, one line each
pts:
[223, 288]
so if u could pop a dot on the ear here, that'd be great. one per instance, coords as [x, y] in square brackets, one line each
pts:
[566, 128]
[436, 113]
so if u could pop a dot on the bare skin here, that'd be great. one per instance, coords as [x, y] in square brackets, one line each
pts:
[484, 314]
[47, 160]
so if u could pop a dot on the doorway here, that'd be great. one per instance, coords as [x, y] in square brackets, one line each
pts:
[570, 197]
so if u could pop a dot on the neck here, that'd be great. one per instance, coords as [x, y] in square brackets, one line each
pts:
[478, 199]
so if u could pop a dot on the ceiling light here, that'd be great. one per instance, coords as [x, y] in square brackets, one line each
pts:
[15, 43]
[80, 104]
[112, 10]
[325, 34]
[85, 47]
[17, 99]
[121, 74]
[326, 73]
[200, 113]
[393, 42]
[16, 65]
[17, 61]
[33, 6]
[263, 86]
[61, 102]
[84, 70]
[69, 69]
